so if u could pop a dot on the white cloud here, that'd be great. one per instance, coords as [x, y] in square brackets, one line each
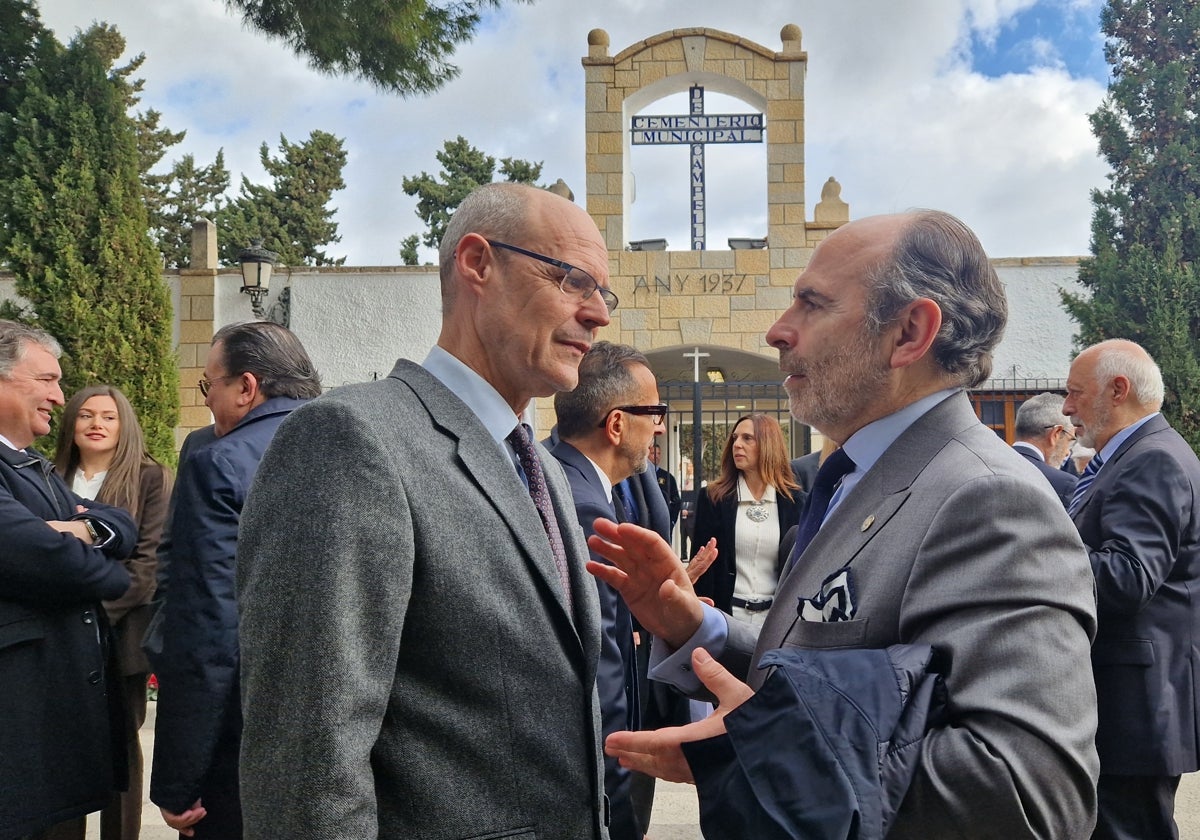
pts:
[892, 111]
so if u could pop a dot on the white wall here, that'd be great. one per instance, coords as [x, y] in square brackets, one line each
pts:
[1039, 339]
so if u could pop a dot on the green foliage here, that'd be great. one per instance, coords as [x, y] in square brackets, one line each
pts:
[187, 193]
[408, 250]
[73, 225]
[463, 169]
[1142, 282]
[400, 46]
[291, 216]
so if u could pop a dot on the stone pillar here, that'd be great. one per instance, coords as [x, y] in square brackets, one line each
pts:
[197, 292]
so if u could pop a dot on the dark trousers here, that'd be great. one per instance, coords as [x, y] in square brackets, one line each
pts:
[121, 819]
[1136, 808]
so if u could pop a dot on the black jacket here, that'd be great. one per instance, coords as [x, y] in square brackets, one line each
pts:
[59, 719]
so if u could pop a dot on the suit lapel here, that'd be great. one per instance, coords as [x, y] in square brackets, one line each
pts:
[1106, 473]
[866, 511]
[494, 475]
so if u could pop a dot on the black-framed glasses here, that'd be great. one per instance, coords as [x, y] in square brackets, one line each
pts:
[1065, 429]
[657, 413]
[576, 284]
[206, 384]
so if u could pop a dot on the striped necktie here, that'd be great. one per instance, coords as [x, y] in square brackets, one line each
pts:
[1085, 482]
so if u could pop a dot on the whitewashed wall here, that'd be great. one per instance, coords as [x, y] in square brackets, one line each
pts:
[1039, 339]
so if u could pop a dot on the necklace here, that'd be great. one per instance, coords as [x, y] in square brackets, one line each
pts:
[757, 511]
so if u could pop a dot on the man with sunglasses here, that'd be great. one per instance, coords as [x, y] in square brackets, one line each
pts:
[605, 427]
[419, 635]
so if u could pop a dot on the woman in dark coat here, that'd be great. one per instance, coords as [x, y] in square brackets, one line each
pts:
[748, 509]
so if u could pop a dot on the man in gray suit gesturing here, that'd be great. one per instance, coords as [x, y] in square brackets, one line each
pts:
[937, 534]
[419, 636]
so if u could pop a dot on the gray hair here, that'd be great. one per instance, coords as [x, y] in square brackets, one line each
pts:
[273, 354]
[605, 382]
[15, 338]
[1120, 357]
[1038, 414]
[494, 211]
[938, 257]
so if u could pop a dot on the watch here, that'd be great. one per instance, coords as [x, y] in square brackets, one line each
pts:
[92, 532]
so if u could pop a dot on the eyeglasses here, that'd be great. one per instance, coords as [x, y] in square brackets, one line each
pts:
[1066, 431]
[206, 384]
[657, 413]
[576, 283]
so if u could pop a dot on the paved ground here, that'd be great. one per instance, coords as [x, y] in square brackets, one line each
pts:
[676, 816]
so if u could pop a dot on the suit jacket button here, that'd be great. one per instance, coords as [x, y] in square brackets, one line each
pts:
[93, 677]
[89, 617]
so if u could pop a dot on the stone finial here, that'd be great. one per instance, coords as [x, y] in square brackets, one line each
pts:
[831, 208]
[560, 187]
[598, 44]
[204, 245]
[790, 36]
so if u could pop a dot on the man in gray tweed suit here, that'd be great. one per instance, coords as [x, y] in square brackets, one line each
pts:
[419, 640]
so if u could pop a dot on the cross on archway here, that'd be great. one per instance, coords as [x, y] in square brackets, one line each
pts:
[697, 130]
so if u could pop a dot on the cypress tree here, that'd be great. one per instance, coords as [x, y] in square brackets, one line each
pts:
[73, 226]
[1142, 280]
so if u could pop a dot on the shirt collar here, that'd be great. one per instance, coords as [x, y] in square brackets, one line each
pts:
[484, 400]
[9, 444]
[867, 445]
[1025, 446]
[1114, 443]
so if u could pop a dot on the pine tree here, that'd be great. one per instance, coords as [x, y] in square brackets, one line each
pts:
[1143, 281]
[73, 226]
[188, 193]
[401, 47]
[291, 216]
[464, 168]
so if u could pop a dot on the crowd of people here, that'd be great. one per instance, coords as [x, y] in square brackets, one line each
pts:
[388, 611]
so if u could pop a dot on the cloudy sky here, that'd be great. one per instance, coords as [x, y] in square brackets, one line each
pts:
[978, 107]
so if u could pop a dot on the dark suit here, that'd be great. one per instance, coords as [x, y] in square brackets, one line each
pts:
[719, 520]
[950, 540]
[61, 727]
[616, 674]
[670, 492]
[804, 469]
[1140, 521]
[198, 721]
[410, 665]
[1062, 482]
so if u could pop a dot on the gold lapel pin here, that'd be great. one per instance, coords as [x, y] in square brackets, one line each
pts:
[868, 522]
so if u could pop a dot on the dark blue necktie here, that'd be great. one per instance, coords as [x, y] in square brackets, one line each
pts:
[625, 494]
[1085, 481]
[835, 468]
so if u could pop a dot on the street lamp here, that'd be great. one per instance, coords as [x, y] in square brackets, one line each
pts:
[256, 263]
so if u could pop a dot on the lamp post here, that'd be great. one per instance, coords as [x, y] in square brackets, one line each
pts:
[256, 263]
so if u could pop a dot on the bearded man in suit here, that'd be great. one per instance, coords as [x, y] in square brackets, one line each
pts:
[937, 534]
[1137, 507]
[1044, 436]
[419, 636]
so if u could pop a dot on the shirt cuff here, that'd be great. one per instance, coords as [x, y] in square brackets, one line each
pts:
[675, 667]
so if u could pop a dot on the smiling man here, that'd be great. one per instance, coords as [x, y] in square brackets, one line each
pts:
[419, 636]
[59, 709]
[936, 535]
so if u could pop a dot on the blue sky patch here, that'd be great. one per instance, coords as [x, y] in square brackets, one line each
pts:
[1051, 33]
